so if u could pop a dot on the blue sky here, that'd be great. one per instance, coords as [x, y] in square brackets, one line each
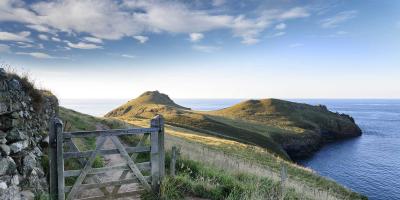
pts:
[206, 48]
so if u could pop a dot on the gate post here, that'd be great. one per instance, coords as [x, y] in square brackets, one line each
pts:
[56, 160]
[157, 155]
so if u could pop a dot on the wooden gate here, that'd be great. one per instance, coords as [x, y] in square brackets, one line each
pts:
[63, 147]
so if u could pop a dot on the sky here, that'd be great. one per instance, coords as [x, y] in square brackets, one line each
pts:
[117, 49]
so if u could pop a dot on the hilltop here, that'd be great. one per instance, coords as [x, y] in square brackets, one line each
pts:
[145, 104]
[286, 128]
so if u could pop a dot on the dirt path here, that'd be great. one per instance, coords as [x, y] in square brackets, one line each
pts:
[112, 175]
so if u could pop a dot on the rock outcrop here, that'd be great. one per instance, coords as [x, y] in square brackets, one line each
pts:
[24, 116]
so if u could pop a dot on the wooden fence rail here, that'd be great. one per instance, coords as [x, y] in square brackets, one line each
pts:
[62, 147]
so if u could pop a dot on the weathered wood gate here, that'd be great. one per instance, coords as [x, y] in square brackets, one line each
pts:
[62, 147]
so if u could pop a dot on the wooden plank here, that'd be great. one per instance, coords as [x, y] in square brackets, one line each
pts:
[154, 160]
[85, 170]
[283, 180]
[157, 154]
[130, 163]
[127, 194]
[122, 177]
[82, 154]
[173, 161]
[53, 160]
[133, 157]
[114, 132]
[116, 196]
[73, 148]
[161, 145]
[58, 125]
[107, 184]
[145, 166]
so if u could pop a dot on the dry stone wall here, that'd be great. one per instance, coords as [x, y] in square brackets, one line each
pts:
[25, 113]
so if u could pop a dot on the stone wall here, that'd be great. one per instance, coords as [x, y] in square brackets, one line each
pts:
[25, 113]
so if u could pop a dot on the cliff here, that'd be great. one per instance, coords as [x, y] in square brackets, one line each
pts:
[24, 116]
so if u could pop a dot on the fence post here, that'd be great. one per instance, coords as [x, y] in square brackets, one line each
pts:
[283, 179]
[56, 160]
[173, 161]
[157, 154]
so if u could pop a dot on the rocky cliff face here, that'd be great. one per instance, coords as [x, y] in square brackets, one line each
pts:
[24, 116]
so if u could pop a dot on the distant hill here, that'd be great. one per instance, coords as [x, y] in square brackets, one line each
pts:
[286, 128]
[147, 104]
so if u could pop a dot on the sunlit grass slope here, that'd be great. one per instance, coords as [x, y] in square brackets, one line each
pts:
[217, 168]
[236, 157]
[286, 128]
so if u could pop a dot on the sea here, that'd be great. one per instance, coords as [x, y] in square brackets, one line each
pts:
[369, 164]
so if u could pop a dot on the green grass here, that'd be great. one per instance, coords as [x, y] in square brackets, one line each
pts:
[197, 180]
[214, 151]
[251, 159]
[75, 121]
[294, 172]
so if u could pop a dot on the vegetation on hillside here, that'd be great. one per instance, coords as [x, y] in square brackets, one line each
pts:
[200, 177]
[198, 180]
[284, 127]
[233, 156]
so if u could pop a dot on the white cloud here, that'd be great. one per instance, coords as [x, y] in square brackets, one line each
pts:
[93, 39]
[250, 29]
[4, 48]
[206, 48]
[43, 37]
[36, 55]
[21, 36]
[128, 56]
[56, 39]
[112, 19]
[24, 45]
[13, 10]
[83, 45]
[278, 34]
[297, 12]
[280, 26]
[142, 39]
[195, 37]
[40, 28]
[334, 21]
[250, 40]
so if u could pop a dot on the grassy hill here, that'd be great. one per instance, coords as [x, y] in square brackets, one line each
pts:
[286, 128]
[215, 168]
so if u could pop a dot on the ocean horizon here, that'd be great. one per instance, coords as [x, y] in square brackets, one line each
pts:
[99, 107]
